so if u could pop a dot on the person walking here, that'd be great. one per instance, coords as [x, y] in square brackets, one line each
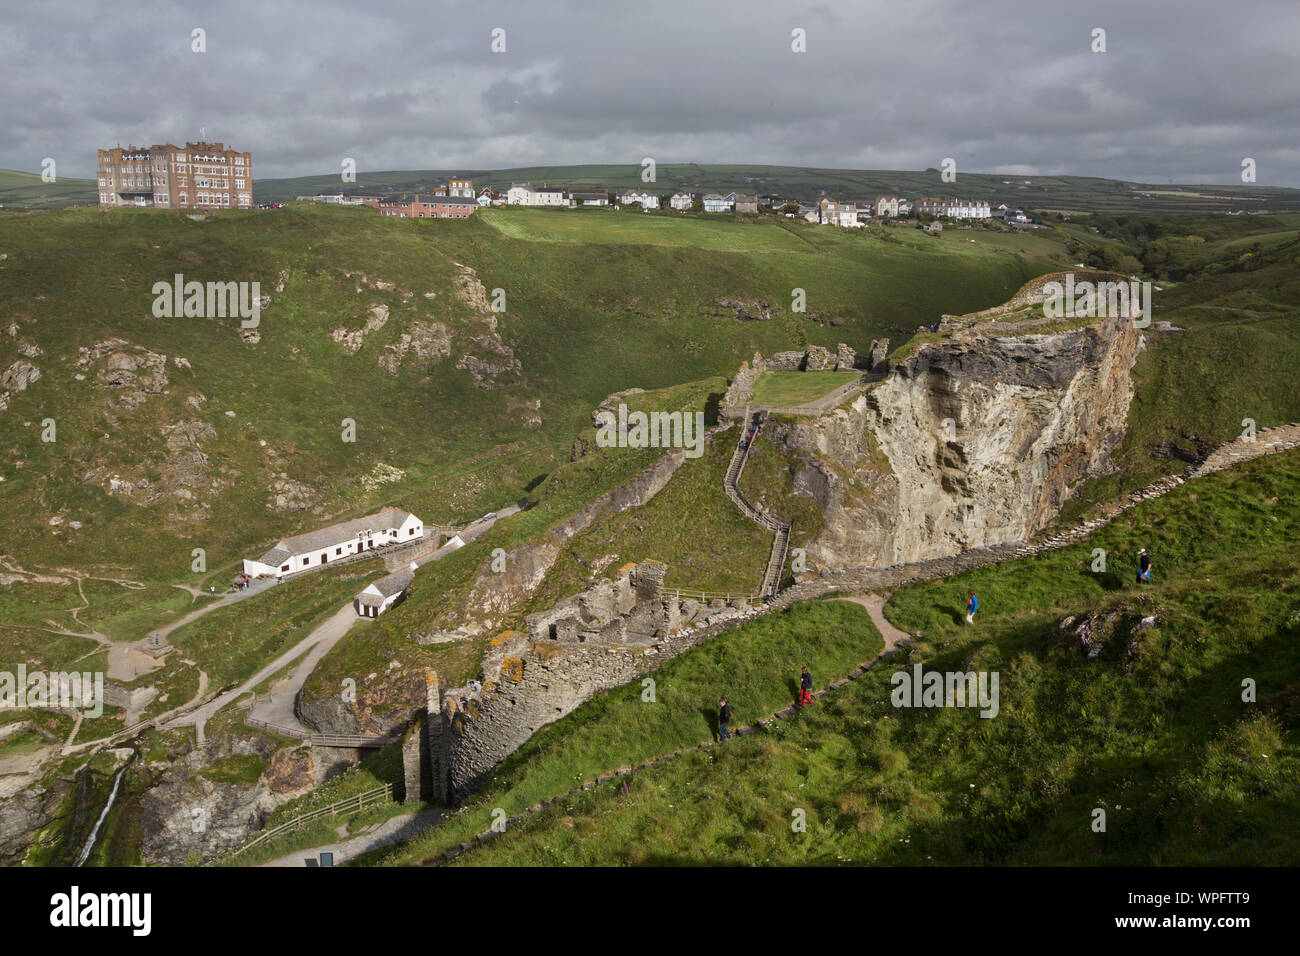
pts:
[805, 687]
[1144, 567]
[972, 605]
[724, 719]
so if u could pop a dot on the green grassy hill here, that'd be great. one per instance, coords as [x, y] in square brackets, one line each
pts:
[173, 434]
[26, 191]
[1153, 728]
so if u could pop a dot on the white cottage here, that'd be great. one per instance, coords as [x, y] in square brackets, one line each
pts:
[681, 201]
[647, 200]
[315, 549]
[379, 596]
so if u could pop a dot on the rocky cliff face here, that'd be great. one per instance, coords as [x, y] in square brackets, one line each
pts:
[973, 440]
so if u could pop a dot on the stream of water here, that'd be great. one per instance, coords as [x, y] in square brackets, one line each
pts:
[94, 832]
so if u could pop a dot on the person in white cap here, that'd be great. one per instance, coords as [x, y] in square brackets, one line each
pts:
[1144, 567]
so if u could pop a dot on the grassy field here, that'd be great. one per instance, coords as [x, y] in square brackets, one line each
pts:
[603, 226]
[797, 388]
[26, 191]
[756, 667]
[1154, 729]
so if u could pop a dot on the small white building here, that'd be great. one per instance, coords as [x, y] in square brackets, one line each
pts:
[887, 207]
[379, 596]
[681, 201]
[647, 200]
[315, 549]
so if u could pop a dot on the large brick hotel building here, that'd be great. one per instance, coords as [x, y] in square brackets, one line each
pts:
[193, 176]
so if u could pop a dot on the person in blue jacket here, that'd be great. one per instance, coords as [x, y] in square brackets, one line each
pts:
[972, 605]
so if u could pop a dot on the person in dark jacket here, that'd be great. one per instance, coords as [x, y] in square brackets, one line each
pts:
[805, 687]
[724, 718]
[1144, 567]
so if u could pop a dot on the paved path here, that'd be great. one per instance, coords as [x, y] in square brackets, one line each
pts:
[875, 605]
[399, 829]
[278, 707]
[330, 631]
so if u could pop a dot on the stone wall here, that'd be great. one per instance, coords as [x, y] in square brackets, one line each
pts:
[600, 638]
[549, 686]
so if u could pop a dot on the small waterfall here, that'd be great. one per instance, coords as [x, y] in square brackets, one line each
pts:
[94, 831]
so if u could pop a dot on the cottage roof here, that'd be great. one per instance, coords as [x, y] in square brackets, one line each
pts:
[383, 520]
[274, 557]
[394, 583]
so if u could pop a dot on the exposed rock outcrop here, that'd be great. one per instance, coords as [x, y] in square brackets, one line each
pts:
[974, 440]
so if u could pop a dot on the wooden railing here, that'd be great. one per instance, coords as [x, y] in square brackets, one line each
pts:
[352, 804]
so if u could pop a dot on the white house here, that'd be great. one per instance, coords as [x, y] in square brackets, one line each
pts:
[887, 207]
[526, 194]
[681, 201]
[715, 202]
[647, 200]
[833, 213]
[315, 549]
[379, 596]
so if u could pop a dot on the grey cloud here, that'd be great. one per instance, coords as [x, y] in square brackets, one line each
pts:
[1183, 93]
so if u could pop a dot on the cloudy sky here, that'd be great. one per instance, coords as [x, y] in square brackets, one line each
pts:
[1184, 91]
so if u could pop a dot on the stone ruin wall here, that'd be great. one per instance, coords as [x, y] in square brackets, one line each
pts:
[601, 638]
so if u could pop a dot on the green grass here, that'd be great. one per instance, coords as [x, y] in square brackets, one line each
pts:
[755, 666]
[232, 642]
[602, 226]
[26, 191]
[788, 389]
[1194, 389]
[585, 319]
[238, 769]
[1154, 730]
